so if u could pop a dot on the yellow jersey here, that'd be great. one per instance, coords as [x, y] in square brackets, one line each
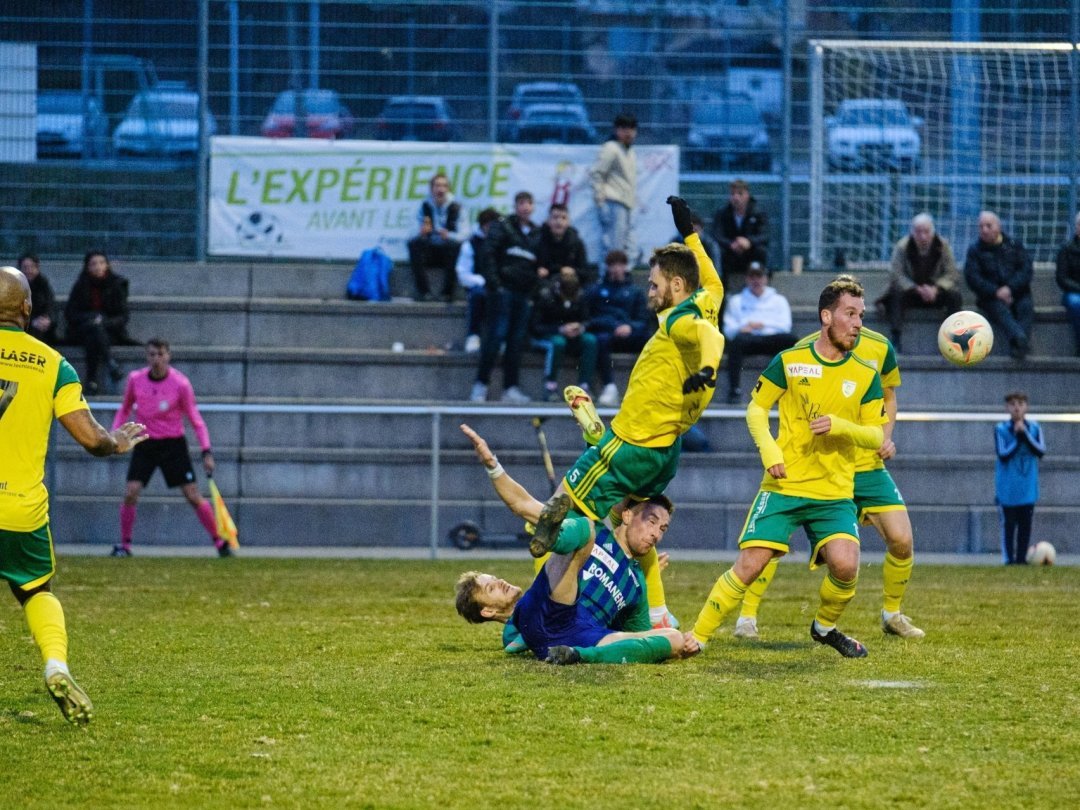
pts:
[655, 411]
[807, 386]
[36, 385]
[874, 349]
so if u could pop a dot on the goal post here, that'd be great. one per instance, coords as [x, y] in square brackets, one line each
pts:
[950, 128]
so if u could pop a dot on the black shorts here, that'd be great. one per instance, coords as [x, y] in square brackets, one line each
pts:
[169, 454]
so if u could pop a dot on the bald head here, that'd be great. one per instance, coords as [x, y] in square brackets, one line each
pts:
[14, 297]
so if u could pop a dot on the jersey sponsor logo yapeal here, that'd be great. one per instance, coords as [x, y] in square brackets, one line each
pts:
[803, 370]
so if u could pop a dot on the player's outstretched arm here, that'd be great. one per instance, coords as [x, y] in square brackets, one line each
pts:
[513, 494]
[98, 441]
[709, 278]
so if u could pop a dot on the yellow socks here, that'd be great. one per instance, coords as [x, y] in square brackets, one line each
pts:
[896, 574]
[757, 589]
[724, 598]
[835, 595]
[45, 617]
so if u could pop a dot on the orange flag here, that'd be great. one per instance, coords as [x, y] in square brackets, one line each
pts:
[226, 529]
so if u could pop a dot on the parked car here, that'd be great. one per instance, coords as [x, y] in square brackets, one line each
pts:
[728, 133]
[323, 113]
[70, 126]
[554, 123]
[161, 121]
[416, 118]
[873, 133]
[527, 94]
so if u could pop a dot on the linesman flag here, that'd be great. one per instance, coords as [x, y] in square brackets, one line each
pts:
[226, 529]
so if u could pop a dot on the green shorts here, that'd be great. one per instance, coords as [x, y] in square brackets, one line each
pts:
[26, 558]
[605, 474]
[875, 491]
[773, 518]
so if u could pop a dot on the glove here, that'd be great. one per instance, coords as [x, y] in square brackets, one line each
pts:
[697, 382]
[680, 212]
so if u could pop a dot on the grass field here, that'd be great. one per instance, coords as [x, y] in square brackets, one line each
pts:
[318, 683]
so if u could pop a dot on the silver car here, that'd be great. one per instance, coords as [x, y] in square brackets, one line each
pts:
[162, 121]
[70, 126]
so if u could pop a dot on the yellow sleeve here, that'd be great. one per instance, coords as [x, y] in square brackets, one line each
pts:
[709, 278]
[757, 420]
[69, 399]
[699, 332]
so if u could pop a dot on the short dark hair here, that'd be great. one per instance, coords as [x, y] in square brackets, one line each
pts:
[559, 207]
[91, 254]
[625, 119]
[1018, 396]
[436, 176]
[28, 255]
[662, 500]
[738, 184]
[673, 260]
[158, 343]
[839, 286]
[616, 257]
[465, 598]
[523, 195]
[486, 216]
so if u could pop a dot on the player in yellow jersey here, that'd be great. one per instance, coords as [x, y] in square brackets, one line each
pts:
[877, 498]
[830, 404]
[36, 385]
[671, 384]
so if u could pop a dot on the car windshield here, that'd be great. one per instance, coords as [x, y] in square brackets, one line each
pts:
[315, 102]
[164, 106]
[555, 96]
[873, 117]
[60, 103]
[410, 112]
[727, 114]
[552, 117]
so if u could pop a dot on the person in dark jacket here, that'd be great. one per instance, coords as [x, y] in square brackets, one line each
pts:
[619, 317]
[999, 270]
[1068, 278]
[42, 301]
[437, 240]
[560, 246]
[97, 316]
[740, 230]
[511, 277]
[557, 327]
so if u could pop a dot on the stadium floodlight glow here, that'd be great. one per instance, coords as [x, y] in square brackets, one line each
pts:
[951, 128]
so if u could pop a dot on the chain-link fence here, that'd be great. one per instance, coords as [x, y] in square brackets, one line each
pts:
[101, 101]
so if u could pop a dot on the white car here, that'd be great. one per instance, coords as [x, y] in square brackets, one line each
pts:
[873, 133]
[161, 121]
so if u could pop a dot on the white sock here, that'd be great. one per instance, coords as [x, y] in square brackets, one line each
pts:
[52, 666]
[745, 620]
[821, 629]
[888, 614]
[657, 614]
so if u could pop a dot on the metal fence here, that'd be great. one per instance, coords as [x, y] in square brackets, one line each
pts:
[101, 99]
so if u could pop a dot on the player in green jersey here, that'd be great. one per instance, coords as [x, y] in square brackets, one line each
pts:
[830, 403]
[36, 385]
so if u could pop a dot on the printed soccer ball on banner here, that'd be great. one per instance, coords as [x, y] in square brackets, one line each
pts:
[965, 338]
[1042, 553]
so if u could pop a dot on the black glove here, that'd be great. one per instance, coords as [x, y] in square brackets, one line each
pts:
[697, 382]
[680, 212]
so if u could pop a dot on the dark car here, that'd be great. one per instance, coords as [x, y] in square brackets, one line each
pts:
[553, 123]
[69, 125]
[728, 134]
[416, 118]
[320, 113]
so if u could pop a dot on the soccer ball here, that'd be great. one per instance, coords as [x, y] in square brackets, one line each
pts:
[1042, 553]
[965, 338]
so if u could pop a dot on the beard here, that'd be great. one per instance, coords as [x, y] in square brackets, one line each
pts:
[660, 302]
[841, 340]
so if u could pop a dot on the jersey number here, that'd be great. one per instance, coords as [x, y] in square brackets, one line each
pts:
[8, 388]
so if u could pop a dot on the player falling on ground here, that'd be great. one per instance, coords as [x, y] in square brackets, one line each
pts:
[559, 623]
[671, 384]
[877, 499]
[613, 589]
[36, 385]
[162, 397]
[830, 404]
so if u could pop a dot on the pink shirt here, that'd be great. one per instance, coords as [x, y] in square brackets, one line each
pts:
[161, 405]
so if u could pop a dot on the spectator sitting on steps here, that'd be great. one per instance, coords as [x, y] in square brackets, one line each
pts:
[619, 317]
[558, 327]
[471, 281]
[436, 243]
[756, 321]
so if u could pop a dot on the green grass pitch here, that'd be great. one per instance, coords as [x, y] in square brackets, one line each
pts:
[328, 683]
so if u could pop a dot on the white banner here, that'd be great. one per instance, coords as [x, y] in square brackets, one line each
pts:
[317, 199]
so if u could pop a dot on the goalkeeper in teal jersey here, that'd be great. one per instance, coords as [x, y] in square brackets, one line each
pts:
[588, 603]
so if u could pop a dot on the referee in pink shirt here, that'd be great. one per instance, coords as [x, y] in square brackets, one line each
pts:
[160, 397]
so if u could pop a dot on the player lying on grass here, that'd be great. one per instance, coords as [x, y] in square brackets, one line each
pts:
[588, 589]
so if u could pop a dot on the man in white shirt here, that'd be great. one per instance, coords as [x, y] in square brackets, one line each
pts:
[757, 321]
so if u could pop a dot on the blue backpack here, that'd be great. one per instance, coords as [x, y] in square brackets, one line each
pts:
[370, 279]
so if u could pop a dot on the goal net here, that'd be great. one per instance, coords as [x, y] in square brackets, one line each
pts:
[950, 128]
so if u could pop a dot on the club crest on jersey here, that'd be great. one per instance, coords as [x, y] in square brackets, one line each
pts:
[848, 388]
[803, 370]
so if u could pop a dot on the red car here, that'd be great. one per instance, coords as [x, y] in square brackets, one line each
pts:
[323, 114]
